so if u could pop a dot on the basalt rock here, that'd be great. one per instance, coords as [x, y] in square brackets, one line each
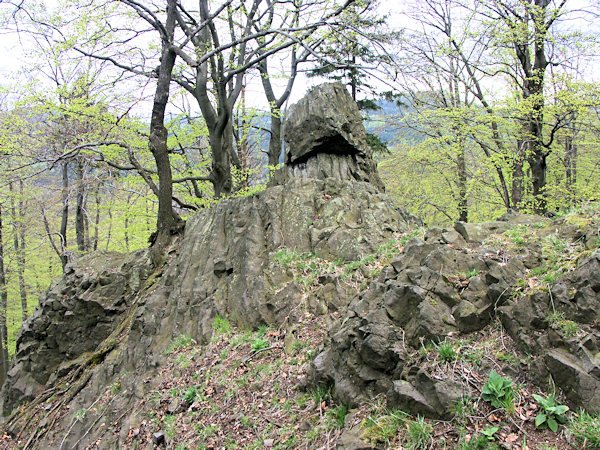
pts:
[562, 329]
[325, 138]
[77, 313]
[226, 264]
[422, 298]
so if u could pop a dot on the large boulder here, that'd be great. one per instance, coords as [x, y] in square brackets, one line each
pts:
[325, 138]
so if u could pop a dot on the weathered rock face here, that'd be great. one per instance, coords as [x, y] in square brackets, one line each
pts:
[570, 355]
[423, 297]
[77, 313]
[325, 137]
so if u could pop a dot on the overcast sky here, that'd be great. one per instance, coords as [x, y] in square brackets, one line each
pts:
[13, 55]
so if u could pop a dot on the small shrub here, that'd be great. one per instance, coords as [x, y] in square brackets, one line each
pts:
[498, 391]
[586, 428]
[553, 413]
[419, 434]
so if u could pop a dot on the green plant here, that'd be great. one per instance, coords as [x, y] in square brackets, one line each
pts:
[170, 422]
[80, 415]
[473, 272]
[179, 343]
[190, 394]
[518, 235]
[552, 413]
[463, 408]
[482, 441]
[586, 428]
[498, 391]
[568, 327]
[260, 344]
[489, 432]
[419, 433]
[447, 351]
[382, 426]
[338, 414]
[507, 357]
[475, 356]
[222, 327]
[321, 394]
[116, 386]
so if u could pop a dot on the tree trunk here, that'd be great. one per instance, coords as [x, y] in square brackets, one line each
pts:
[19, 244]
[463, 208]
[64, 259]
[276, 138]
[3, 309]
[167, 218]
[570, 167]
[126, 223]
[80, 219]
[518, 176]
[221, 144]
[97, 220]
[110, 225]
[538, 181]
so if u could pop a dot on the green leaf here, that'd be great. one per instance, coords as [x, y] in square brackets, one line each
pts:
[540, 419]
[539, 398]
[561, 409]
[552, 424]
[490, 431]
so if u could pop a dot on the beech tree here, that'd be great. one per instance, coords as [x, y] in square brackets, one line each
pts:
[458, 51]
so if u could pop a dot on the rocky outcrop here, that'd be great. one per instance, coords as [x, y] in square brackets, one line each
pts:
[561, 327]
[107, 323]
[325, 138]
[425, 296]
[77, 313]
[226, 264]
[452, 284]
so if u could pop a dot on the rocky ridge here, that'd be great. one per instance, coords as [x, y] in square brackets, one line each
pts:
[453, 283]
[224, 266]
[115, 317]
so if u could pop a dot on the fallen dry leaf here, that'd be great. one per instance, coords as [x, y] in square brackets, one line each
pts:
[511, 438]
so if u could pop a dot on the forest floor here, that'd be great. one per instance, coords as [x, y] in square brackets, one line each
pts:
[249, 390]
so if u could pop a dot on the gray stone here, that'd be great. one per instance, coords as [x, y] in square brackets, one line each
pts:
[325, 138]
[478, 232]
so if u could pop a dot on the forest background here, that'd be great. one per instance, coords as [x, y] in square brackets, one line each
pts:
[127, 116]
